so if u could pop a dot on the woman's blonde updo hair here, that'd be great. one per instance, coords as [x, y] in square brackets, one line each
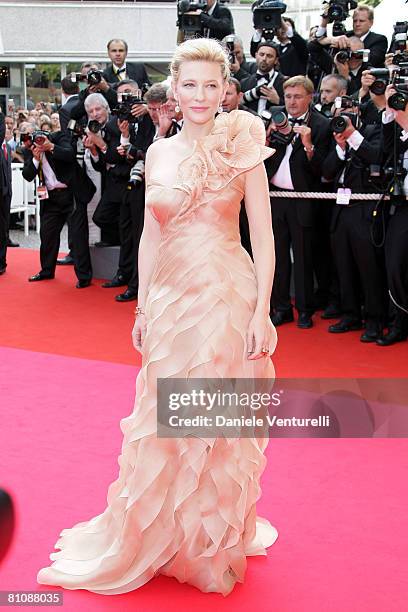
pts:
[200, 50]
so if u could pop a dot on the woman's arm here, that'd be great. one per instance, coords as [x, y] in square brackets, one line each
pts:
[260, 334]
[258, 210]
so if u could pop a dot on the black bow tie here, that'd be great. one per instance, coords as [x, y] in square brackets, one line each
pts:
[119, 71]
[261, 76]
[294, 121]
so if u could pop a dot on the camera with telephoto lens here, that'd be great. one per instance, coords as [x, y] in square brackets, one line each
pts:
[230, 44]
[400, 59]
[123, 109]
[94, 126]
[137, 174]
[76, 128]
[398, 77]
[340, 123]
[93, 77]
[267, 16]
[252, 95]
[37, 137]
[337, 12]
[399, 38]
[346, 55]
[283, 134]
[188, 16]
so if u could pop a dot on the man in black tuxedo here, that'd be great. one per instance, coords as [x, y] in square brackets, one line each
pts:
[156, 124]
[5, 193]
[395, 143]
[216, 21]
[363, 19]
[53, 161]
[296, 166]
[264, 88]
[120, 69]
[351, 69]
[292, 48]
[360, 264]
[240, 69]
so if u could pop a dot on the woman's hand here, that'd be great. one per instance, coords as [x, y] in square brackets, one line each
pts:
[260, 336]
[139, 332]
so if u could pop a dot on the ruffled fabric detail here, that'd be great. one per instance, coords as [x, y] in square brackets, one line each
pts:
[235, 144]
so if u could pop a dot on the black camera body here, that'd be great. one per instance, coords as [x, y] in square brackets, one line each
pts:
[37, 137]
[94, 126]
[93, 77]
[399, 39]
[230, 44]
[398, 78]
[76, 128]
[340, 123]
[284, 134]
[337, 13]
[345, 55]
[267, 16]
[188, 16]
[123, 110]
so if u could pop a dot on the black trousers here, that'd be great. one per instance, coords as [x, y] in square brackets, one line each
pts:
[130, 227]
[78, 231]
[360, 265]
[54, 212]
[107, 213]
[288, 231]
[396, 260]
[324, 267]
[5, 201]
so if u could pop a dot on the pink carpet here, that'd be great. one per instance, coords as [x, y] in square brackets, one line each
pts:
[339, 505]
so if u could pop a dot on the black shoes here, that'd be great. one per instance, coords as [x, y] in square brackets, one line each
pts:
[331, 312]
[127, 296]
[12, 244]
[304, 321]
[373, 332]
[66, 261]
[117, 281]
[393, 336]
[345, 325]
[282, 316]
[81, 284]
[39, 277]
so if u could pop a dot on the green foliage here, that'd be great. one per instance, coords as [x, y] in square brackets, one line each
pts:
[372, 3]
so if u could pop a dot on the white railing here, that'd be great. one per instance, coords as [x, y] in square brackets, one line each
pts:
[24, 198]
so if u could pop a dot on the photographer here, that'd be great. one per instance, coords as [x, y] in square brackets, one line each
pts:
[348, 63]
[95, 83]
[264, 88]
[301, 137]
[52, 158]
[373, 102]
[331, 87]
[119, 69]
[359, 262]
[138, 140]
[363, 19]
[216, 21]
[239, 67]
[292, 48]
[395, 142]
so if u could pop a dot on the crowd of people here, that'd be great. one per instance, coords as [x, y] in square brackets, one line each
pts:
[335, 112]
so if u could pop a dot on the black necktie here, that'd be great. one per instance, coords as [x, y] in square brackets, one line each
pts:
[294, 121]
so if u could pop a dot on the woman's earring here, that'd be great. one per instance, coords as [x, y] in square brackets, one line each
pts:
[220, 109]
[177, 108]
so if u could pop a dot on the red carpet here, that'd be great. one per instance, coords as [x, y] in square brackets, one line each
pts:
[67, 373]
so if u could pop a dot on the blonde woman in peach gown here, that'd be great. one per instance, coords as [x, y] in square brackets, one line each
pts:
[186, 507]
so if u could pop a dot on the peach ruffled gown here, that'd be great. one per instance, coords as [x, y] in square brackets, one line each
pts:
[185, 507]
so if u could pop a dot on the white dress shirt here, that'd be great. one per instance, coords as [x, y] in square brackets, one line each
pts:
[283, 178]
[50, 179]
